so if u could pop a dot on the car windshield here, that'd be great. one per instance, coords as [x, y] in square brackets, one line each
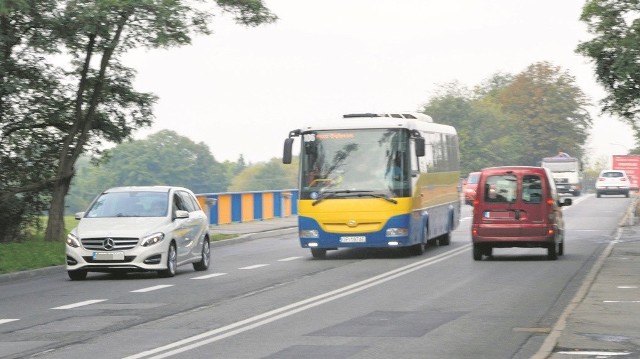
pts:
[129, 204]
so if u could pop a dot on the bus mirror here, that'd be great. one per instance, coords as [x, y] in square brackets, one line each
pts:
[419, 146]
[288, 146]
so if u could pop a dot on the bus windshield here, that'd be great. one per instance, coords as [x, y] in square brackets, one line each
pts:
[354, 161]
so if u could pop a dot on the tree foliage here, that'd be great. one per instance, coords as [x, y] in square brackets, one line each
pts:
[163, 158]
[64, 90]
[615, 50]
[266, 176]
[514, 119]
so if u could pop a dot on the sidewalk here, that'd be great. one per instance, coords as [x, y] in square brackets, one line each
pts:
[603, 319]
[246, 231]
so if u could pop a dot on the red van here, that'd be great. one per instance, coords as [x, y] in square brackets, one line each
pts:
[517, 206]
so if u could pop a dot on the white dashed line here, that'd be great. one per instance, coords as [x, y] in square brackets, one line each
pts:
[288, 259]
[627, 287]
[209, 276]
[254, 266]
[80, 304]
[149, 289]
[2, 321]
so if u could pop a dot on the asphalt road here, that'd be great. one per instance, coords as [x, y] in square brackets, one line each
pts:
[267, 298]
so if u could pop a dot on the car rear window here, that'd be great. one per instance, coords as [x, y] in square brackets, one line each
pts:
[612, 174]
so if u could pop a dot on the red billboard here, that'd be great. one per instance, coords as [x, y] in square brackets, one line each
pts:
[631, 165]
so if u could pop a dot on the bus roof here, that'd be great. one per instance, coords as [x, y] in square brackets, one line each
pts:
[408, 120]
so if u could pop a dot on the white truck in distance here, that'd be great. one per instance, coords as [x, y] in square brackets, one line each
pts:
[567, 173]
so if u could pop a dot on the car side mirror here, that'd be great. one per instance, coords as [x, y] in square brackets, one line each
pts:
[566, 202]
[181, 214]
[79, 215]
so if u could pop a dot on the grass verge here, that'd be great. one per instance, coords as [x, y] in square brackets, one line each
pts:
[37, 253]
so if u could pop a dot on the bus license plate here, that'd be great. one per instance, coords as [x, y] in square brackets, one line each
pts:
[108, 256]
[353, 239]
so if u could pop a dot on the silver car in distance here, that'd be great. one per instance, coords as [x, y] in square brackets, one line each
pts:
[145, 228]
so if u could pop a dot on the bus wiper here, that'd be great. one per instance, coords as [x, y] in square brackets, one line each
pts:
[352, 193]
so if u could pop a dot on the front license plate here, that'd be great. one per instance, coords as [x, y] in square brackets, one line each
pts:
[353, 239]
[108, 256]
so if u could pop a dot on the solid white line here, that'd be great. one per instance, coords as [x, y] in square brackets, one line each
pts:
[149, 289]
[2, 321]
[209, 276]
[288, 259]
[80, 304]
[288, 310]
[621, 301]
[254, 266]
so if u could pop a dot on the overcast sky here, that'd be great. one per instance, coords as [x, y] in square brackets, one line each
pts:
[241, 90]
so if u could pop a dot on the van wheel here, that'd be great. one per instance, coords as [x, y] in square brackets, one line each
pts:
[561, 248]
[552, 254]
[477, 252]
[319, 253]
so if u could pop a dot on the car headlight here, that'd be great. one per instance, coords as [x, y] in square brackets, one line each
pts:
[72, 240]
[152, 239]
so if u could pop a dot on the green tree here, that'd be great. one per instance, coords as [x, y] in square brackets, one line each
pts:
[163, 158]
[89, 99]
[272, 175]
[548, 110]
[615, 50]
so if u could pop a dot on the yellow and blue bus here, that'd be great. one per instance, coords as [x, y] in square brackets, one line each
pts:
[377, 180]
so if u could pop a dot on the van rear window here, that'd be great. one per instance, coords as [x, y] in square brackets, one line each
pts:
[500, 188]
[504, 189]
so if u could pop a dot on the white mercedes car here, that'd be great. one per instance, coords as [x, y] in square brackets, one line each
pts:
[147, 228]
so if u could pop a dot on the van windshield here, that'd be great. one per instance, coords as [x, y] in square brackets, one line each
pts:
[504, 189]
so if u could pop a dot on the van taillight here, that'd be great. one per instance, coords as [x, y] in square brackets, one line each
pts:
[551, 231]
[476, 202]
[550, 201]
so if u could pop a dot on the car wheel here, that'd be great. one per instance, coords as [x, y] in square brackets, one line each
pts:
[77, 274]
[477, 252]
[445, 239]
[552, 253]
[598, 194]
[319, 253]
[203, 264]
[626, 194]
[172, 262]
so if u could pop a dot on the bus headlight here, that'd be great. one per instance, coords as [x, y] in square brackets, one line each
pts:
[397, 232]
[309, 233]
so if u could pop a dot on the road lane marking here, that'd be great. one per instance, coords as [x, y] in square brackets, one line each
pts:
[214, 335]
[621, 301]
[2, 321]
[289, 259]
[209, 276]
[149, 289]
[627, 287]
[80, 304]
[254, 266]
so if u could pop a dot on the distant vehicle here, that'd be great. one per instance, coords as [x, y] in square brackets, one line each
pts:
[147, 228]
[614, 182]
[567, 173]
[470, 186]
[376, 180]
[517, 206]
[630, 164]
